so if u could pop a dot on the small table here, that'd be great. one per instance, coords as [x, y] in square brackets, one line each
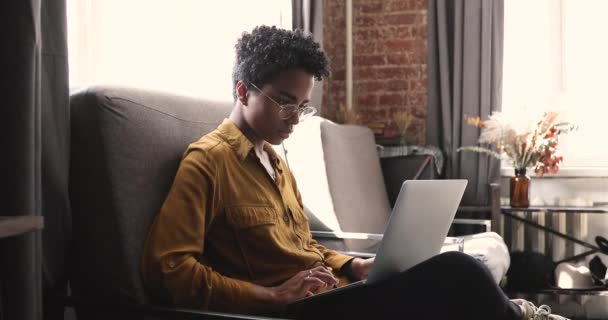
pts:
[511, 213]
[16, 225]
[566, 302]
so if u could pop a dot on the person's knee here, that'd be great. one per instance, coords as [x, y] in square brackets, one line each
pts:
[459, 265]
[456, 258]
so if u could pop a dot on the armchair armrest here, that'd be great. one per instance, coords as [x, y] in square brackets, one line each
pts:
[121, 310]
[339, 235]
[484, 222]
[346, 235]
[377, 236]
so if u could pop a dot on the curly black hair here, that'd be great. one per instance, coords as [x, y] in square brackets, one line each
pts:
[262, 54]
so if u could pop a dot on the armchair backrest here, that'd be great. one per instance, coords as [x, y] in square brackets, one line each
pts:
[338, 172]
[126, 145]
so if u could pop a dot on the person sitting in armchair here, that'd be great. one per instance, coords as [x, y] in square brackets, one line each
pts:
[231, 235]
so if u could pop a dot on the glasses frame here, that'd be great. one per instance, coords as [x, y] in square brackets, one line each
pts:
[288, 110]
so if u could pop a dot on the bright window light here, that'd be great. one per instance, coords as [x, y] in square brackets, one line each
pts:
[555, 57]
[179, 46]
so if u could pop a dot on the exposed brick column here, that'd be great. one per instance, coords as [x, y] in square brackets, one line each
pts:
[389, 61]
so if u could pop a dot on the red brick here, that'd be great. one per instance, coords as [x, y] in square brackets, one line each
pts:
[369, 60]
[336, 86]
[364, 47]
[371, 115]
[398, 58]
[396, 85]
[339, 74]
[399, 45]
[417, 100]
[367, 100]
[366, 21]
[365, 73]
[389, 73]
[418, 57]
[337, 61]
[403, 31]
[392, 100]
[381, 30]
[419, 31]
[414, 72]
[419, 4]
[400, 18]
[370, 7]
[369, 86]
[366, 34]
[417, 85]
[406, 5]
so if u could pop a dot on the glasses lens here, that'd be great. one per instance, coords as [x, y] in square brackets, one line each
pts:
[287, 111]
[307, 112]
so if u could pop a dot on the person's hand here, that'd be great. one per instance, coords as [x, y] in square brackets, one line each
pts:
[360, 268]
[302, 285]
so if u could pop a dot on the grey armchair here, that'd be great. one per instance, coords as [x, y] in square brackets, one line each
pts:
[339, 174]
[125, 149]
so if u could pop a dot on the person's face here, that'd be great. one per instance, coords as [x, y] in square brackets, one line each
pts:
[293, 86]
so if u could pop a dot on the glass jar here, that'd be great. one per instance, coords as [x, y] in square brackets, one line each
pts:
[519, 191]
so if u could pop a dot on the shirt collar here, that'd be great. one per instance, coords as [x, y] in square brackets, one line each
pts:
[241, 145]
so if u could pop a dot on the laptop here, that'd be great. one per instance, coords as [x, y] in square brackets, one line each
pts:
[416, 230]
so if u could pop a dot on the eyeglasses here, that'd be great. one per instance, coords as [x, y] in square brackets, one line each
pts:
[288, 110]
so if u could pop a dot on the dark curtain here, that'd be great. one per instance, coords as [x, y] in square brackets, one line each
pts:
[307, 15]
[35, 149]
[465, 44]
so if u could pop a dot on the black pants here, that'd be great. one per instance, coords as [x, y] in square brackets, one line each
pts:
[452, 285]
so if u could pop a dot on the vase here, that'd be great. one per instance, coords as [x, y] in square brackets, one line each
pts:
[519, 191]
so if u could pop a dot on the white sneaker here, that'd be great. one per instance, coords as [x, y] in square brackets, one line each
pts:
[531, 312]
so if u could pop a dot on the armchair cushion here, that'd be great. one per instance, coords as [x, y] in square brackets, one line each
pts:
[125, 149]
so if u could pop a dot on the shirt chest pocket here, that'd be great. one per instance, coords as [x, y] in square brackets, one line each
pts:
[252, 221]
[255, 234]
[248, 217]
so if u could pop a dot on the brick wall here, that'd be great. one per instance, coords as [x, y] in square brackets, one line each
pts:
[389, 62]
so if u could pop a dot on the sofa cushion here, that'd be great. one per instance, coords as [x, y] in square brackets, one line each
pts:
[126, 145]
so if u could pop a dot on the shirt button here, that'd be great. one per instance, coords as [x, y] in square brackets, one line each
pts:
[285, 218]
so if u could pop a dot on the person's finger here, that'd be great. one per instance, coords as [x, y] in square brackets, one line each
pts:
[303, 274]
[322, 269]
[309, 284]
[309, 281]
[320, 272]
[326, 277]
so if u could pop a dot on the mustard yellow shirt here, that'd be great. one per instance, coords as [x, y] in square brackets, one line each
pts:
[225, 225]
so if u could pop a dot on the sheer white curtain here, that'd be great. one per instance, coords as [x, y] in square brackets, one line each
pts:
[555, 56]
[180, 46]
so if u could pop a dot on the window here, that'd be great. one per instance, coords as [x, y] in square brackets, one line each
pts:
[180, 46]
[555, 55]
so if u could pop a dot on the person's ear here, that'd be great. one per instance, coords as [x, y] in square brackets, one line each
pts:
[242, 92]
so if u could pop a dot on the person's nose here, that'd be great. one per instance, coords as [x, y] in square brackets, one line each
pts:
[294, 119]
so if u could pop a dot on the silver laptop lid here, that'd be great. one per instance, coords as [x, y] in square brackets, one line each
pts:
[418, 225]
